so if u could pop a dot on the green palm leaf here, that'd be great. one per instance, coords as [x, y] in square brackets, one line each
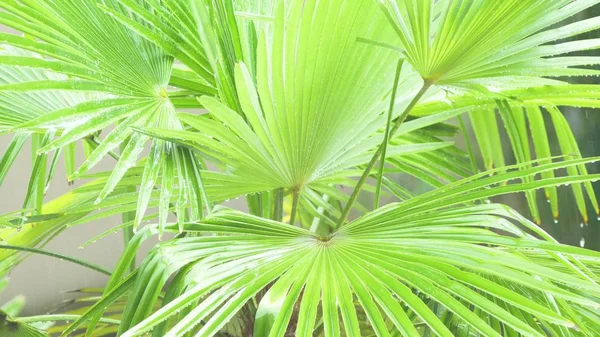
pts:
[100, 55]
[381, 265]
[524, 116]
[485, 42]
[428, 243]
[475, 54]
[12, 328]
[18, 108]
[299, 100]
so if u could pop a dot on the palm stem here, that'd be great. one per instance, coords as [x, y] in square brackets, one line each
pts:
[295, 202]
[58, 256]
[94, 142]
[40, 182]
[386, 135]
[126, 217]
[377, 154]
[66, 317]
[278, 204]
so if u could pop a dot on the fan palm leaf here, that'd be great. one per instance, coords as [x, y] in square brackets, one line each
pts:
[524, 114]
[9, 327]
[479, 53]
[485, 42]
[101, 55]
[299, 99]
[20, 107]
[265, 251]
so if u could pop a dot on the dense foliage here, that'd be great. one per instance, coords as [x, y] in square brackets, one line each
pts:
[320, 116]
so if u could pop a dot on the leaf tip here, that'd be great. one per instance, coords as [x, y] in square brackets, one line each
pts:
[74, 176]
[572, 325]
[45, 149]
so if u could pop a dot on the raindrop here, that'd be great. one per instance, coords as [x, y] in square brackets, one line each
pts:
[582, 242]
[581, 225]
[555, 220]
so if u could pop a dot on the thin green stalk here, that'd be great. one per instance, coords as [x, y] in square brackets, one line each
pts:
[128, 233]
[94, 142]
[295, 202]
[55, 318]
[127, 217]
[377, 154]
[386, 135]
[278, 204]
[266, 204]
[58, 256]
[38, 141]
[40, 184]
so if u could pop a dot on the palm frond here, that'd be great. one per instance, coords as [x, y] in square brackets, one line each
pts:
[384, 265]
[12, 328]
[100, 54]
[299, 101]
[524, 113]
[381, 259]
[465, 44]
[20, 107]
